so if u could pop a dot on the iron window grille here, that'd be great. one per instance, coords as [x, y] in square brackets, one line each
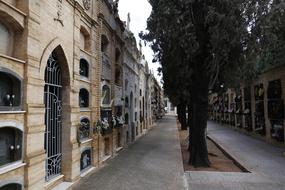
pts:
[53, 117]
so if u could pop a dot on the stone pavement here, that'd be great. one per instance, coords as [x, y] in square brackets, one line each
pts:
[152, 163]
[265, 162]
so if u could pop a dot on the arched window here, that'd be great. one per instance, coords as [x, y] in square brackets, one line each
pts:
[5, 40]
[11, 186]
[104, 43]
[85, 160]
[83, 98]
[85, 43]
[10, 145]
[106, 95]
[84, 129]
[84, 68]
[10, 91]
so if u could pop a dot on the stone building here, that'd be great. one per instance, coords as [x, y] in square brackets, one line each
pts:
[256, 109]
[52, 72]
[69, 90]
[169, 107]
[111, 80]
[144, 95]
[157, 99]
[131, 84]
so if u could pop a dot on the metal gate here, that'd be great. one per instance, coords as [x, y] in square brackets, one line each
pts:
[53, 107]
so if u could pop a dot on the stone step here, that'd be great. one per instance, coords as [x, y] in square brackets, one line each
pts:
[63, 186]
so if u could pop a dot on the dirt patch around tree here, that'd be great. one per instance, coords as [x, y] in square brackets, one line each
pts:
[220, 162]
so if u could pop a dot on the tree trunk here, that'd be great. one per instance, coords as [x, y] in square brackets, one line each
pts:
[183, 117]
[199, 150]
[179, 112]
[190, 124]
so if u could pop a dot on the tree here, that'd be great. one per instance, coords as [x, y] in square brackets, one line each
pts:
[196, 41]
[267, 24]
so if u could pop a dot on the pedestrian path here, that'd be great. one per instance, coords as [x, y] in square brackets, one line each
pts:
[256, 155]
[151, 163]
[265, 162]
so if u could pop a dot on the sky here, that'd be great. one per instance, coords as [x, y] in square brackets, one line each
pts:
[139, 12]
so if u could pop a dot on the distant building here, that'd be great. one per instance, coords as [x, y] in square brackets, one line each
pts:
[256, 108]
[145, 95]
[169, 107]
[157, 99]
[131, 85]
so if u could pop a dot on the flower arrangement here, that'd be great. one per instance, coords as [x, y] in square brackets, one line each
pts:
[118, 121]
[103, 126]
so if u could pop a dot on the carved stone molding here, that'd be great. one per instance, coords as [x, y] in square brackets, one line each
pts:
[59, 13]
[87, 4]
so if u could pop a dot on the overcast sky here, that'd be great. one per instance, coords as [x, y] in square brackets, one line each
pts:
[139, 11]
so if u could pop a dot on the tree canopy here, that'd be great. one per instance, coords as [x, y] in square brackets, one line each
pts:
[202, 43]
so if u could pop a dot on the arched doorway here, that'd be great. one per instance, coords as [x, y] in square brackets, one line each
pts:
[53, 116]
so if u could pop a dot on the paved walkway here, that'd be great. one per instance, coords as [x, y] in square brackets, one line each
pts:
[151, 163]
[266, 163]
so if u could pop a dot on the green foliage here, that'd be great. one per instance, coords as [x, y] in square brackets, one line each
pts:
[267, 25]
[195, 38]
[206, 44]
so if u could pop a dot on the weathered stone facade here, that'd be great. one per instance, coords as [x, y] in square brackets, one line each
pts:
[257, 109]
[137, 88]
[131, 85]
[145, 96]
[157, 100]
[62, 90]
[47, 37]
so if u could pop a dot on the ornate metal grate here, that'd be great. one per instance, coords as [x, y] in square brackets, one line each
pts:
[53, 107]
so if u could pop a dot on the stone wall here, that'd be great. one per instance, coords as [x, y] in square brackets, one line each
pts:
[70, 31]
[251, 110]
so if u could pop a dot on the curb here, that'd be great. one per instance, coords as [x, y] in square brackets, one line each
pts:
[230, 156]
